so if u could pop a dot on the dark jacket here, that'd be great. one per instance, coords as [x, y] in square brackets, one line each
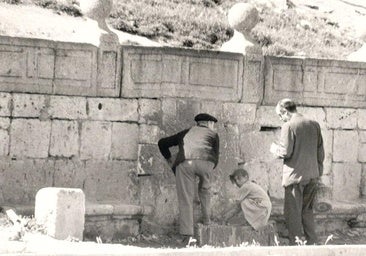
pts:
[302, 150]
[198, 142]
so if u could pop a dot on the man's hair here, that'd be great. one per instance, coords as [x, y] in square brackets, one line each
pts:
[238, 173]
[287, 104]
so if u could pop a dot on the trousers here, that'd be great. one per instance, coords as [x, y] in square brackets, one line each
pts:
[298, 211]
[186, 173]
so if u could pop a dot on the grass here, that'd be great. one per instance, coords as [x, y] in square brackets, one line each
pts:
[202, 24]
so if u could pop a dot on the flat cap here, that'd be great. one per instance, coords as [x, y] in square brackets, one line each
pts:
[204, 117]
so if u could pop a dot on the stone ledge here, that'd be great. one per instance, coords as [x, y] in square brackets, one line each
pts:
[109, 220]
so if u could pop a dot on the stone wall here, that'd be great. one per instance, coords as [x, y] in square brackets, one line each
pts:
[61, 126]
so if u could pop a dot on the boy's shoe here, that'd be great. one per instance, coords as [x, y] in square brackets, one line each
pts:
[186, 241]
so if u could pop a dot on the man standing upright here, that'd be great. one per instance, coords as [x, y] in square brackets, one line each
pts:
[197, 156]
[301, 147]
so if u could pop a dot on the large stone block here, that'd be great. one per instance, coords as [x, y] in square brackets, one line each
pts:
[28, 105]
[362, 119]
[316, 114]
[150, 111]
[149, 134]
[256, 145]
[4, 136]
[239, 113]
[111, 181]
[327, 136]
[69, 173]
[266, 117]
[96, 140]
[21, 179]
[64, 107]
[253, 78]
[5, 99]
[113, 109]
[29, 138]
[168, 72]
[363, 181]
[218, 235]
[125, 138]
[64, 138]
[345, 146]
[315, 82]
[341, 118]
[346, 181]
[61, 211]
[229, 149]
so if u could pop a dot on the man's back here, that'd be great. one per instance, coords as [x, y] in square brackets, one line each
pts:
[305, 153]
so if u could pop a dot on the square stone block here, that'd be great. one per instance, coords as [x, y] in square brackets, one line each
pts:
[5, 99]
[150, 111]
[346, 181]
[30, 138]
[64, 138]
[61, 211]
[113, 109]
[345, 146]
[96, 140]
[66, 107]
[344, 118]
[124, 141]
[28, 105]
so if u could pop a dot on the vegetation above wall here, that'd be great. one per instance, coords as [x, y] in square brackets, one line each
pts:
[202, 24]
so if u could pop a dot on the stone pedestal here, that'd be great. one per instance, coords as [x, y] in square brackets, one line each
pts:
[61, 211]
[109, 51]
[242, 17]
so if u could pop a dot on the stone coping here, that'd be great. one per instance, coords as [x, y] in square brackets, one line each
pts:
[97, 209]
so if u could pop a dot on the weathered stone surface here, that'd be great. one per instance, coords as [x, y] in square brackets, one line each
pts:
[61, 211]
[362, 153]
[152, 73]
[253, 79]
[96, 140]
[363, 180]
[113, 109]
[212, 108]
[125, 137]
[24, 145]
[4, 136]
[256, 145]
[218, 235]
[149, 134]
[341, 118]
[346, 181]
[314, 113]
[69, 173]
[150, 111]
[362, 119]
[239, 113]
[64, 138]
[110, 181]
[268, 175]
[21, 179]
[28, 105]
[315, 82]
[63, 107]
[345, 147]
[328, 150]
[150, 160]
[111, 229]
[5, 99]
[266, 116]
[187, 109]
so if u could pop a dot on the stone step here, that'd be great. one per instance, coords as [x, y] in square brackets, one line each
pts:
[235, 235]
